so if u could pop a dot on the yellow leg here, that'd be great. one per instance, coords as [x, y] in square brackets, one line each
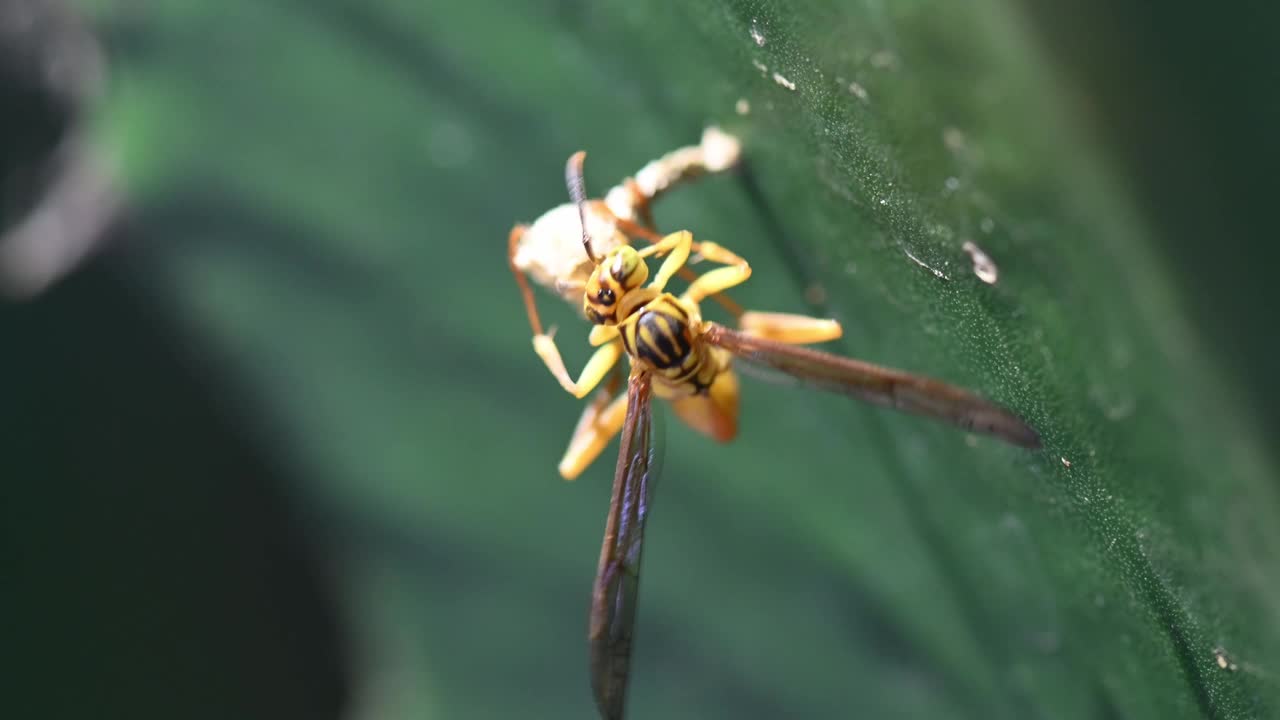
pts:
[679, 244]
[595, 370]
[600, 363]
[637, 230]
[601, 334]
[599, 423]
[787, 328]
[720, 279]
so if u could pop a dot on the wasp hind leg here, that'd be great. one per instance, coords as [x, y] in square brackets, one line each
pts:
[788, 328]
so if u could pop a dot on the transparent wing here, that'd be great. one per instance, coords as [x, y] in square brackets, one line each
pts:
[880, 385]
[613, 599]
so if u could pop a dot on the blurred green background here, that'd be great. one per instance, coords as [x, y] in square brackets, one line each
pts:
[280, 447]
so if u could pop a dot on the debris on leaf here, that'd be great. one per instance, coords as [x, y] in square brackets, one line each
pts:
[983, 266]
[938, 273]
[1224, 661]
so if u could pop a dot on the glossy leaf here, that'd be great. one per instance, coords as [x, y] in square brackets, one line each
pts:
[324, 189]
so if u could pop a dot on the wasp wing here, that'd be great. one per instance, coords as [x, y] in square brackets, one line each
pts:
[613, 599]
[879, 385]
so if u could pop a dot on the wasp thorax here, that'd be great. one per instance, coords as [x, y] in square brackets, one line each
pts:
[621, 271]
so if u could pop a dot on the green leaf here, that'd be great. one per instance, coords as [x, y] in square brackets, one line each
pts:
[327, 189]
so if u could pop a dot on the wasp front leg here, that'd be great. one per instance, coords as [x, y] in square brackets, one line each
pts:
[678, 245]
[600, 421]
[602, 361]
[653, 238]
[788, 328]
[720, 279]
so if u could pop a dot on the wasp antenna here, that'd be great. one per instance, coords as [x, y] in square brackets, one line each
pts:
[577, 192]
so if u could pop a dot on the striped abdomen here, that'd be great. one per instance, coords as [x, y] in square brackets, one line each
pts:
[662, 339]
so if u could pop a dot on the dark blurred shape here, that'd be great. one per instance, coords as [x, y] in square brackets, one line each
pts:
[55, 200]
[1184, 95]
[152, 563]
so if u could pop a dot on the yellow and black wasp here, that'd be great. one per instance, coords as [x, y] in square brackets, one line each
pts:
[677, 355]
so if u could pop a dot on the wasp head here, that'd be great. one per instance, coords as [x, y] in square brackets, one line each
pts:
[619, 272]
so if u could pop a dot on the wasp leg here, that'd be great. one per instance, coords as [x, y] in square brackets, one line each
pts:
[601, 334]
[660, 244]
[720, 279]
[789, 329]
[634, 229]
[678, 244]
[601, 362]
[600, 421]
[526, 292]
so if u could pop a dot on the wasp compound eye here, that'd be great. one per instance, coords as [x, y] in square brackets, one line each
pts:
[627, 268]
